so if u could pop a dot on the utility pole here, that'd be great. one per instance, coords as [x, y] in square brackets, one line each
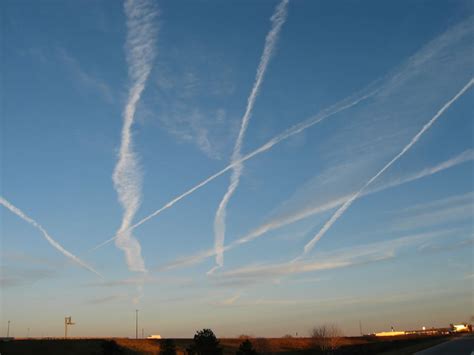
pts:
[360, 328]
[136, 324]
[28, 333]
[8, 329]
[143, 333]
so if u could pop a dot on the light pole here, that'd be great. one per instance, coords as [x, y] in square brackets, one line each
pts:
[8, 329]
[136, 324]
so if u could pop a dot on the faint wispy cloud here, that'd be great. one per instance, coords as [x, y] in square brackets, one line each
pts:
[16, 276]
[19, 257]
[229, 301]
[46, 235]
[198, 126]
[463, 199]
[434, 213]
[357, 255]
[277, 19]
[431, 247]
[108, 299]
[193, 107]
[391, 298]
[146, 279]
[85, 77]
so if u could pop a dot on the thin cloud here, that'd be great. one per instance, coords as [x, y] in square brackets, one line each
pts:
[146, 279]
[229, 301]
[452, 209]
[438, 247]
[16, 276]
[358, 255]
[86, 78]
[447, 202]
[401, 297]
[108, 299]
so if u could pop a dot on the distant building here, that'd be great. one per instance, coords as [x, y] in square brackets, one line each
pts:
[392, 333]
[454, 328]
[461, 328]
[154, 336]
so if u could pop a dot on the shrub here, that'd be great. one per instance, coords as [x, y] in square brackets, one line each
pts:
[206, 343]
[328, 337]
[167, 347]
[246, 348]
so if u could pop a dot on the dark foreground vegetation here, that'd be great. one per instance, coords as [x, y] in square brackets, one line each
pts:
[205, 343]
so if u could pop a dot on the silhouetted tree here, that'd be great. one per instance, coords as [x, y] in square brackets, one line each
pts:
[328, 337]
[206, 343]
[167, 347]
[246, 348]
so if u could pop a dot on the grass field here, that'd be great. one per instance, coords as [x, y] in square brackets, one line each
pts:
[281, 346]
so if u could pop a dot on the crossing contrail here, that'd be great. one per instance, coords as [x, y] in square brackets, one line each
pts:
[127, 178]
[306, 212]
[50, 239]
[382, 86]
[296, 129]
[340, 211]
[278, 19]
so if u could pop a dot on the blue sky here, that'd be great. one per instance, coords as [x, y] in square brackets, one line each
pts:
[346, 86]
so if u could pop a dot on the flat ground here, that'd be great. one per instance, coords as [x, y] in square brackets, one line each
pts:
[281, 346]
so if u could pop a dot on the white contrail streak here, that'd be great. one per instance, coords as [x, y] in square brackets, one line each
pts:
[278, 19]
[50, 240]
[310, 245]
[411, 66]
[296, 129]
[306, 212]
[140, 53]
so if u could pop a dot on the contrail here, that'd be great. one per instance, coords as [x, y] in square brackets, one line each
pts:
[411, 66]
[296, 129]
[309, 246]
[278, 19]
[140, 53]
[50, 240]
[303, 213]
